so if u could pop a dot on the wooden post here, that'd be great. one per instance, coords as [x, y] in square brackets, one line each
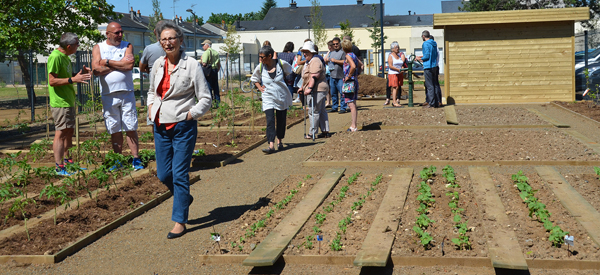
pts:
[47, 104]
[77, 138]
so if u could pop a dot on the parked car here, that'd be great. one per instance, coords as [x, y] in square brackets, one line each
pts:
[136, 73]
[593, 57]
[594, 77]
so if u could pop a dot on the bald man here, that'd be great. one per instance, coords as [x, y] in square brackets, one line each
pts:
[113, 63]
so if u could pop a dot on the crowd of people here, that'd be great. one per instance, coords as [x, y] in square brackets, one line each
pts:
[183, 89]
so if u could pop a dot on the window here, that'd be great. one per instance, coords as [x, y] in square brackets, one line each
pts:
[271, 28]
[297, 27]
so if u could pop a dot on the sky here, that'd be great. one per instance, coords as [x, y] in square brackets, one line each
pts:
[205, 8]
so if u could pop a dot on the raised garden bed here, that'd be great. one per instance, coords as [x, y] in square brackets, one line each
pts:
[585, 108]
[481, 144]
[497, 115]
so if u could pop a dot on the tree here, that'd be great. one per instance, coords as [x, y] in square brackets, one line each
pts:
[154, 19]
[36, 26]
[347, 30]
[267, 5]
[376, 30]
[190, 19]
[233, 47]
[498, 5]
[316, 14]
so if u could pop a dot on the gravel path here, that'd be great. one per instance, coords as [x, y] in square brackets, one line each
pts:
[222, 195]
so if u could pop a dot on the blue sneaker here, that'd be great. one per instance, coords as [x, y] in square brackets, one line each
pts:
[137, 164]
[61, 171]
[117, 166]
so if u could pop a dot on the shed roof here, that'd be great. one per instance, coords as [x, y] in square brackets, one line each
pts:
[441, 20]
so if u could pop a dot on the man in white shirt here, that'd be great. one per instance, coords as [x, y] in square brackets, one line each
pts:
[113, 63]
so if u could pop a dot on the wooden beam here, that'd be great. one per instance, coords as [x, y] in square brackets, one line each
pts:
[272, 247]
[583, 139]
[347, 163]
[441, 20]
[549, 119]
[376, 247]
[503, 247]
[451, 117]
[579, 208]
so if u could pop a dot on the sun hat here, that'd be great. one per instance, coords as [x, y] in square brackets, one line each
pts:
[207, 41]
[309, 46]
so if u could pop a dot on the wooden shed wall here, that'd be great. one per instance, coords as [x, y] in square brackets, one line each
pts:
[504, 63]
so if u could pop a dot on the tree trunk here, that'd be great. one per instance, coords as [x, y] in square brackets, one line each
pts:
[24, 64]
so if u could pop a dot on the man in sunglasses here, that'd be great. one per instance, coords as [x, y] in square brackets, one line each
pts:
[113, 63]
[336, 59]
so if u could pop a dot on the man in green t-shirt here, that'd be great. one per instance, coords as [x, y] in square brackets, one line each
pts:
[62, 97]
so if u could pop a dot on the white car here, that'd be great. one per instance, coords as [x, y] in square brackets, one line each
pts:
[136, 73]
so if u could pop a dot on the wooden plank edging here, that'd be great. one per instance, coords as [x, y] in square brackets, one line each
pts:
[271, 248]
[503, 247]
[549, 119]
[572, 201]
[576, 113]
[377, 245]
[348, 163]
[451, 117]
[453, 127]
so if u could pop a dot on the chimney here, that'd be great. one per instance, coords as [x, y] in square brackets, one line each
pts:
[239, 26]
[359, 2]
[176, 20]
[139, 14]
[293, 5]
[132, 14]
[161, 17]
[408, 12]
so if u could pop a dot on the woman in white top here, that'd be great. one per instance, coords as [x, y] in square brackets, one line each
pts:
[395, 61]
[269, 78]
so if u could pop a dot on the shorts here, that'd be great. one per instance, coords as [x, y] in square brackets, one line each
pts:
[350, 97]
[396, 80]
[119, 112]
[64, 118]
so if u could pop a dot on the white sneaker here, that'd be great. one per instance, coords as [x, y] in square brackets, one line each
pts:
[297, 100]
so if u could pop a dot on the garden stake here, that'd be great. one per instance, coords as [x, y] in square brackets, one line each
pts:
[77, 138]
[218, 245]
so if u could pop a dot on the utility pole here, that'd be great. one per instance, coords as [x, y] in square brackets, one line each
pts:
[382, 48]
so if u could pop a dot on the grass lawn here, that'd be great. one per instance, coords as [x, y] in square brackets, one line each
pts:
[10, 92]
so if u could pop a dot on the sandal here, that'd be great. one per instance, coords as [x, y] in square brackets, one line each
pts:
[352, 129]
[308, 137]
[397, 105]
[324, 135]
[387, 102]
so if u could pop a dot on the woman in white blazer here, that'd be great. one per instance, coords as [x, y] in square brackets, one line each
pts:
[176, 81]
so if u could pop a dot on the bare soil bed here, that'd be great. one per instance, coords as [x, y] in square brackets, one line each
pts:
[587, 185]
[407, 242]
[531, 234]
[471, 144]
[585, 108]
[238, 231]
[402, 116]
[496, 115]
[47, 238]
[361, 218]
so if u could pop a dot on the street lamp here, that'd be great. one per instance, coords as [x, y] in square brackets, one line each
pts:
[194, 25]
[382, 49]
[308, 17]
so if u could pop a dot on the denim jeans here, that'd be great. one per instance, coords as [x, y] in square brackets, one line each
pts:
[432, 86]
[213, 85]
[174, 149]
[335, 86]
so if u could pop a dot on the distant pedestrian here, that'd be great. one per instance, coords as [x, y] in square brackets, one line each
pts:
[62, 97]
[268, 43]
[350, 83]
[178, 96]
[288, 56]
[396, 60]
[328, 71]
[113, 62]
[150, 54]
[210, 58]
[316, 91]
[337, 57]
[431, 72]
[269, 78]
[356, 52]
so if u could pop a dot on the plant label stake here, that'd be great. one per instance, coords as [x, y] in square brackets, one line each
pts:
[217, 238]
[570, 241]
[319, 239]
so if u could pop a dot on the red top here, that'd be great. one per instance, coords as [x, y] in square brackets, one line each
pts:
[161, 90]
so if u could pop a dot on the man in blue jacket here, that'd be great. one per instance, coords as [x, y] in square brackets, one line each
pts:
[431, 71]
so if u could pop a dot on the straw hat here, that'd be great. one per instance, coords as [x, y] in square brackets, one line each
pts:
[309, 46]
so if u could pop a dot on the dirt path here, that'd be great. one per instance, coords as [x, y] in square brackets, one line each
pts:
[222, 195]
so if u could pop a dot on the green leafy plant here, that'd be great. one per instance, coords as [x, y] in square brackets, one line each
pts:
[424, 236]
[146, 137]
[336, 243]
[427, 172]
[57, 193]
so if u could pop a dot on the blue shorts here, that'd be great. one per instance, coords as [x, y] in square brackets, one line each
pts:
[350, 97]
